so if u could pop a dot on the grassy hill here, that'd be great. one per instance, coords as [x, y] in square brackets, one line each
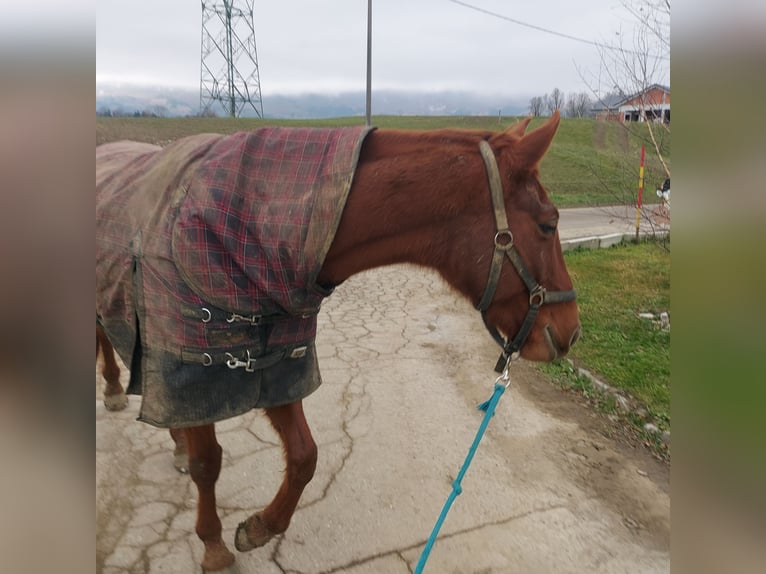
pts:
[590, 162]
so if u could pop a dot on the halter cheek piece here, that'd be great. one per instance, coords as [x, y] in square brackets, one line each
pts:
[504, 247]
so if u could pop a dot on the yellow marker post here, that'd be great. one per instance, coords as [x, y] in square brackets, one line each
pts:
[640, 191]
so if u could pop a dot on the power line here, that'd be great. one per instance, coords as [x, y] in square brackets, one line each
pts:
[552, 32]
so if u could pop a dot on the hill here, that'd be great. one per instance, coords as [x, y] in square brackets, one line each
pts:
[129, 100]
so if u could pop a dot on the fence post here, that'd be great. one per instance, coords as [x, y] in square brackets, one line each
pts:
[640, 190]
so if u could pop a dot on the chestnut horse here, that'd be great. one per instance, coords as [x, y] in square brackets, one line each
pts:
[424, 198]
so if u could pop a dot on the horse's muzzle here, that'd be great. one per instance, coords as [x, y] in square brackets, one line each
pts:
[558, 347]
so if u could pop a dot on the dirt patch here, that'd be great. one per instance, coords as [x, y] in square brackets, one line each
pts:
[607, 459]
[623, 140]
[599, 135]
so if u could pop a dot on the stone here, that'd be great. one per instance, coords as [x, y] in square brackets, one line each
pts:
[622, 403]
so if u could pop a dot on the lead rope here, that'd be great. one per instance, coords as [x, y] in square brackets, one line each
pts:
[488, 406]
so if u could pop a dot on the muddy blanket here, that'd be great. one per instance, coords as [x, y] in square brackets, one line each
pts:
[207, 255]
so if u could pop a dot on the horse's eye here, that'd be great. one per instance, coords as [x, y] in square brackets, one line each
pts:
[547, 228]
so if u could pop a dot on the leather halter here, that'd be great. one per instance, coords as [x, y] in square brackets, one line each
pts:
[504, 247]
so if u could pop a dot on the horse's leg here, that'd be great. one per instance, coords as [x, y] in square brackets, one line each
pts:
[204, 467]
[115, 398]
[301, 458]
[181, 451]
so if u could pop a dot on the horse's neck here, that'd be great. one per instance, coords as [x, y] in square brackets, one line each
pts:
[412, 193]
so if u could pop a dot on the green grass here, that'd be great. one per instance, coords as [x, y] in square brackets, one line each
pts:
[590, 163]
[626, 351]
[597, 163]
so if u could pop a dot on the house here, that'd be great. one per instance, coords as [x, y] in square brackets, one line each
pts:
[651, 104]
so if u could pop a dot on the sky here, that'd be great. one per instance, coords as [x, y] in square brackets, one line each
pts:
[320, 45]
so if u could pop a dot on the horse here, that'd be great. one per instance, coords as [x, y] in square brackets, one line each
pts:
[466, 203]
[115, 399]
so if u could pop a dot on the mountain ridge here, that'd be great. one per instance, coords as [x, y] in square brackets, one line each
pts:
[127, 100]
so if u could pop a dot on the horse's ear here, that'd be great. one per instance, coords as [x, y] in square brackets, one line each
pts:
[518, 129]
[533, 145]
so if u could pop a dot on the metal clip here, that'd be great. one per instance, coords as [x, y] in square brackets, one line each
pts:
[253, 319]
[235, 363]
[505, 377]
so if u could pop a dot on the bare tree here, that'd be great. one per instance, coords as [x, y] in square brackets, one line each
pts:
[536, 106]
[637, 61]
[577, 105]
[207, 113]
[547, 107]
[569, 107]
[555, 101]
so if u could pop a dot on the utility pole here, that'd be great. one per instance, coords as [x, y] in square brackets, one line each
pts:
[229, 76]
[369, 61]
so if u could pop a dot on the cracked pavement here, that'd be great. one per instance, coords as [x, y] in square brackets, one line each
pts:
[404, 363]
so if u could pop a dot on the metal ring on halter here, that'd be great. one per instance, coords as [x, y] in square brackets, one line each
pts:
[539, 294]
[499, 235]
[207, 360]
[206, 315]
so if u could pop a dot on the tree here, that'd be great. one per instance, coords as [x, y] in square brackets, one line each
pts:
[554, 101]
[635, 62]
[577, 105]
[207, 113]
[536, 106]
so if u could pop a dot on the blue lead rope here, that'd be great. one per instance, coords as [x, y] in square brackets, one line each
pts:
[489, 410]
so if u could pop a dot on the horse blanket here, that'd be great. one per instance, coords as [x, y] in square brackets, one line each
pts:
[207, 257]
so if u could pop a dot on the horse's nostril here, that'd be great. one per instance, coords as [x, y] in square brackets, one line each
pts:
[575, 336]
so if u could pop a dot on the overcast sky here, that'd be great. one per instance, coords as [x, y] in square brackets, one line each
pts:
[319, 45]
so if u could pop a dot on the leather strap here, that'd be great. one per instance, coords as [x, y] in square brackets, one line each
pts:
[504, 247]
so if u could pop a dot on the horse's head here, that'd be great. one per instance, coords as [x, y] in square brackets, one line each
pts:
[529, 295]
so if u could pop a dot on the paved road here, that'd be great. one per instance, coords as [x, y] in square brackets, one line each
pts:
[404, 362]
[604, 226]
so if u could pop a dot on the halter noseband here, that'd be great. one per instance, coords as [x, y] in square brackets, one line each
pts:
[504, 246]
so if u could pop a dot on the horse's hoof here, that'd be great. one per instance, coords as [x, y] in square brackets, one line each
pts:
[252, 533]
[115, 402]
[218, 560]
[181, 462]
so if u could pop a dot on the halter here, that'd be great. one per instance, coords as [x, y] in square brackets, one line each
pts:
[504, 246]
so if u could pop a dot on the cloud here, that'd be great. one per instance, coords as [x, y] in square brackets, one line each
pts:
[321, 46]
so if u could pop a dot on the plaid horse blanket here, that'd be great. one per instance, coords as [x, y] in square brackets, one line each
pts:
[207, 256]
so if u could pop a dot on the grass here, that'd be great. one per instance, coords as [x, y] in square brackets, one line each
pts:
[625, 351]
[590, 163]
[597, 163]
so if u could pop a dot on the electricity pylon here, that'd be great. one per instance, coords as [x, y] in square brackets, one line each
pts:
[229, 77]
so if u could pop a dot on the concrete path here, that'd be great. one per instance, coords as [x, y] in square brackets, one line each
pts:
[404, 362]
[594, 227]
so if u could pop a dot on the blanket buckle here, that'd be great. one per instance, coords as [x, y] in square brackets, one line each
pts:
[235, 363]
[253, 319]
